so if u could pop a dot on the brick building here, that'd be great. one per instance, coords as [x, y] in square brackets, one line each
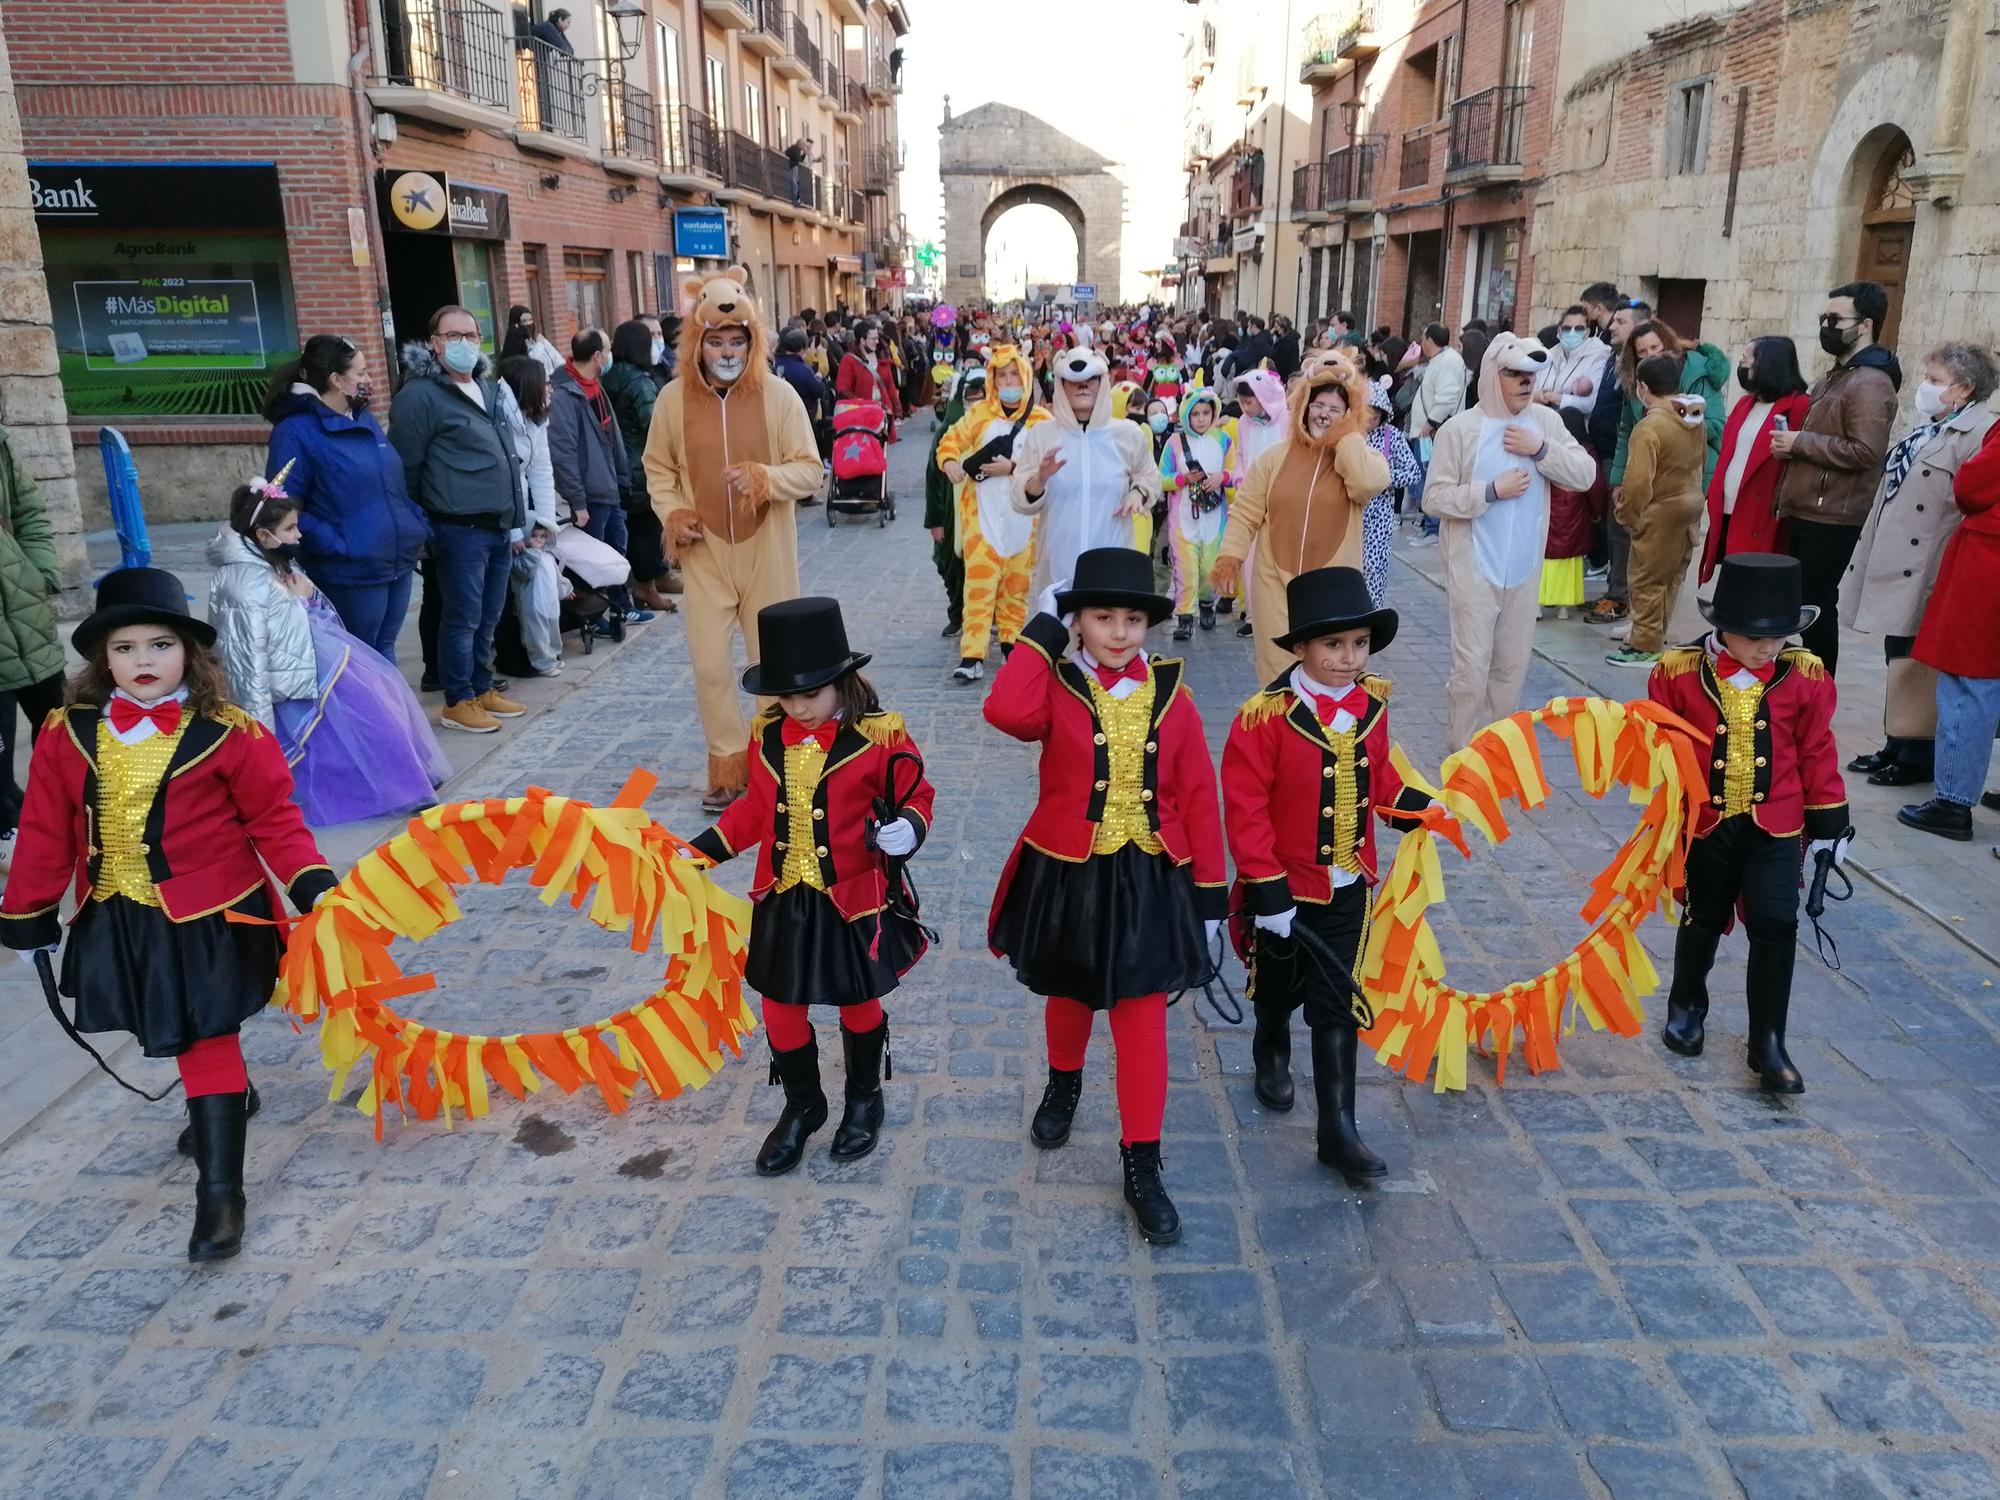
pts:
[1733, 166]
[349, 165]
[1429, 129]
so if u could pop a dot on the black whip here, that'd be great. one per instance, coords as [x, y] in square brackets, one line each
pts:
[1824, 869]
[45, 971]
[1304, 943]
[1214, 979]
[901, 897]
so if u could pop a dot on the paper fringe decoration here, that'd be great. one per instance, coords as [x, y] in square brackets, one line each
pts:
[1420, 1019]
[631, 874]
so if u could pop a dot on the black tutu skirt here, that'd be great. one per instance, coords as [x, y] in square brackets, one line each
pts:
[1113, 925]
[803, 952]
[171, 984]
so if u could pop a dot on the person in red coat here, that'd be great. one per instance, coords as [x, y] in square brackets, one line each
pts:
[835, 924]
[1306, 762]
[159, 804]
[1762, 712]
[1105, 900]
[866, 371]
[1960, 638]
[1743, 490]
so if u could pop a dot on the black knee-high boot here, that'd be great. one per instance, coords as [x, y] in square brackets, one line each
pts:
[1335, 1051]
[861, 1122]
[805, 1110]
[251, 1104]
[1769, 991]
[1687, 1000]
[1271, 1055]
[218, 1121]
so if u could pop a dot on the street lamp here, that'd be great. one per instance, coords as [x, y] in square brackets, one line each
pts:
[630, 37]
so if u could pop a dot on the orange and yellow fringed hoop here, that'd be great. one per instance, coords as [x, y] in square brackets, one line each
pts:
[631, 874]
[1420, 1019]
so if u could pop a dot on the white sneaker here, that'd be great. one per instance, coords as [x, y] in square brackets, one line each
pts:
[970, 671]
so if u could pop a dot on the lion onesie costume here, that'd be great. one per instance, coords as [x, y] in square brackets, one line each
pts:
[1301, 505]
[727, 457]
[1492, 546]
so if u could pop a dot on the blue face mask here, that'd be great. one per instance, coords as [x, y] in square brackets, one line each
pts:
[1158, 421]
[461, 357]
[1572, 338]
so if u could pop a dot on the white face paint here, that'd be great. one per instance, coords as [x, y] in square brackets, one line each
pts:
[724, 369]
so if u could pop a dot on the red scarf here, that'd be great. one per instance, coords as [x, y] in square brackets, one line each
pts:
[593, 392]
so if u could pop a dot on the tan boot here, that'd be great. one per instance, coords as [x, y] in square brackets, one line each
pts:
[500, 705]
[470, 716]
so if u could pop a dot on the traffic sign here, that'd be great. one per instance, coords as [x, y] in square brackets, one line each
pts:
[1084, 291]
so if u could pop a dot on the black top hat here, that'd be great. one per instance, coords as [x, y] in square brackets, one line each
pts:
[139, 596]
[1757, 594]
[1116, 578]
[802, 644]
[1327, 600]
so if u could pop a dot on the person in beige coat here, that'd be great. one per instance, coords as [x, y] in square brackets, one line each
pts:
[1895, 567]
[1301, 502]
[730, 452]
[1489, 487]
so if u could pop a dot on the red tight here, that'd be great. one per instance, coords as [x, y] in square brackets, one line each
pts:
[1139, 1040]
[214, 1065]
[789, 1027]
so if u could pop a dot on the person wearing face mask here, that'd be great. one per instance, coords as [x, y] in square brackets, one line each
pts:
[1575, 366]
[525, 337]
[729, 454]
[1833, 463]
[351, 729]
[632, 383]
[360, 533]
[588, 455]
[978, 454]
[868, 372]
[1888, 585]
[1743, 490]
[1489, 485]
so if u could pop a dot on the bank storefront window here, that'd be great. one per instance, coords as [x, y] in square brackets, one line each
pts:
[169, 284]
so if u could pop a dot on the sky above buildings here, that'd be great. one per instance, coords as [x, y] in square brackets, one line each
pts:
[1107, 72]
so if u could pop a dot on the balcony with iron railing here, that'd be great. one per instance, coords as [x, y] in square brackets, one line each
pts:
[877, 78]
[1350, 175]
[1486, 130]
[1415, 168]
[550, 95]
[853, 104]
[806, 50]
[449, 63]
[631, 124]
[1200, 53]
[691, 154]
[1308, 199]
[879, 166]
[1336, 40]
[735, 15]
[1246, 188]
[771, 36]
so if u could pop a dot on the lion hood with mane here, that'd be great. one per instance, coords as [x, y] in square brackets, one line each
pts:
[1332, 367]
[722, 300]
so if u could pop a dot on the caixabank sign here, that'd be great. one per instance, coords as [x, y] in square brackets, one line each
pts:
[416, 202]
[169, 282]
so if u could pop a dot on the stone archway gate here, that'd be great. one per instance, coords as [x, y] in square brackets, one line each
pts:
[997, 157]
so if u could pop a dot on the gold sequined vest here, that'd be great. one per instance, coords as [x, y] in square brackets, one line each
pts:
[128, 779]
[1126, 724]
[804, 762]
[1738, 762]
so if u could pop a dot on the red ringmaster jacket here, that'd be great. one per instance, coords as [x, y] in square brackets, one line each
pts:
[1961, 629]
[855, 773]
[1041, 695]
[1796, 767]
[223, 812]
[1280, 775]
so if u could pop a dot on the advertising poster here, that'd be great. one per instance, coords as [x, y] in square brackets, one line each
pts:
[170, 284]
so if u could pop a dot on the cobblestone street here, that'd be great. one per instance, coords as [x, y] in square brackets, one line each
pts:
[1635, 1278]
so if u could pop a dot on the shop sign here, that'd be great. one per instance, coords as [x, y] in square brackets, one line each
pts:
[702, 233]
[169, 285]
[429, 203]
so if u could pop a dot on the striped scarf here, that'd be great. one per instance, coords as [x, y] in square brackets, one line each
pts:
[1903, 457]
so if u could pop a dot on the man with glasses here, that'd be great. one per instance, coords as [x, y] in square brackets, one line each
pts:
[1833, 462]
[450, 430]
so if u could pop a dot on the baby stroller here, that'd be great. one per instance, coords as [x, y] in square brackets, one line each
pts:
[860, 463]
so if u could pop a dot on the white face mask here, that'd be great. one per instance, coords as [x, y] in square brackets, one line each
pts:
[724, 369]
[1930, 400]
[1571, 338]
[659, 350]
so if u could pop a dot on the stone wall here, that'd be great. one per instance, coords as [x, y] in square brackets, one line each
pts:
[31, 398]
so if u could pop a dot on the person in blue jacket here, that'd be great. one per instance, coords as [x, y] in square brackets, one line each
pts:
[360, 533]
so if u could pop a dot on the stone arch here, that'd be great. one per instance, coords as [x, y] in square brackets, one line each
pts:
[996, 157]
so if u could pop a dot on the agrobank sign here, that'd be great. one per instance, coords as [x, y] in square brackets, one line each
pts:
[85, 195]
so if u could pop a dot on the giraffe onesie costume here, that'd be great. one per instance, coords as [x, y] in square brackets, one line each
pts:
[725, 465]
[998, 541]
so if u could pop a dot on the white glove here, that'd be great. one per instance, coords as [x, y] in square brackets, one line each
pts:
[28, 954]
[1046, 604]
[1838, 847]
[896, 837]
[1277, 923]
[1210, 927]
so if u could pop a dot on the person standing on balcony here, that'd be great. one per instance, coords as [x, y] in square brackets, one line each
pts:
[796, 156]
[554, 32]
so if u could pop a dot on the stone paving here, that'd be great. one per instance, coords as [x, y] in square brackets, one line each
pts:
[1634, 1278]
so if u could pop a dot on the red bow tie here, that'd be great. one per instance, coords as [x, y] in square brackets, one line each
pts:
[1110, 677]
[1354, 700]
[794, 733]
[1727, 666]
[126, 716]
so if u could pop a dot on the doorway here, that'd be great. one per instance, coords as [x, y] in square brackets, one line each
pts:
[423, 276]
[1423, 288]
[1888, 227]
[1679, 302]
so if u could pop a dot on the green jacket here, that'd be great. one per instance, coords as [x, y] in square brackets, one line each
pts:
[632, 392]
[1704, 372]
[29, 579]
[940, 494]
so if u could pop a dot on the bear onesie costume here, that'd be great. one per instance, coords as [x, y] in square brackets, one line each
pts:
[727, 458]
